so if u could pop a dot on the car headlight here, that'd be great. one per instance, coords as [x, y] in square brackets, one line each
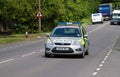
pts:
[49, 42]
[78, 42]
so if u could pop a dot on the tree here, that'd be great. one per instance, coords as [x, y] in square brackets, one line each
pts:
[18, 15]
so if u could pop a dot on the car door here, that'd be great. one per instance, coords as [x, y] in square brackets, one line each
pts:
[85, 37]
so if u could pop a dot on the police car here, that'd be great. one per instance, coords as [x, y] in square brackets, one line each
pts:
[68, 38]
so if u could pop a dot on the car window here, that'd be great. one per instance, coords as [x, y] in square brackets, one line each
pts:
[116, 14]
[115, 18]
[66, 32]
[96, 14]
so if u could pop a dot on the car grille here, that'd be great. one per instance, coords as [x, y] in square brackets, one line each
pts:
[62, 44]
[62, 51]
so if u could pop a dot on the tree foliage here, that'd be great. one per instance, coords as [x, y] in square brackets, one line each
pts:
[19, 15]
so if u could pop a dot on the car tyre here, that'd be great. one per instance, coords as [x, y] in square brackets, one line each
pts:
[47, 55]
[82, 55]
[93, 23]
[111, 23]
[87, 52]
[102, 22]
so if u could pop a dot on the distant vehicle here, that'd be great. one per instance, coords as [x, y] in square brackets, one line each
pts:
[115, 21]
[106, 10]
[97, 17]
[116, 14]
[68, 38]
[115, 17]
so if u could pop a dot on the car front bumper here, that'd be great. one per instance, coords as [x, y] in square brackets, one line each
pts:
[115, 22]
[64, 50]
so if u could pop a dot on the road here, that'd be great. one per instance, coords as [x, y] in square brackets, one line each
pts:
[26, 59]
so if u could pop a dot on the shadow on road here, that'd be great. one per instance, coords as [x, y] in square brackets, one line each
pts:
[65, 57]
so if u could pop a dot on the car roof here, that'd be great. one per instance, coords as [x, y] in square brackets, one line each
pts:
[68, 25]
[96, 14]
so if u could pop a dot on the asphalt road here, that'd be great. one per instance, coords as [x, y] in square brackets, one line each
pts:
[26, 59]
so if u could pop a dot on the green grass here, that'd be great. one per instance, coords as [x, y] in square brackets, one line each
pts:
[5, 39]
[86, 21]
[9, 40]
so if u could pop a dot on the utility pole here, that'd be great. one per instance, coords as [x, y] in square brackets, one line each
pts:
[39, 17]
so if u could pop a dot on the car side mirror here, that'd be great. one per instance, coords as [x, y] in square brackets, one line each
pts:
[47, 35]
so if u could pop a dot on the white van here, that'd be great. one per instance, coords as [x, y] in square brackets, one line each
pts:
[97, 17]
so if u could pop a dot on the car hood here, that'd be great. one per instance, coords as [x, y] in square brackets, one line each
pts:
[65, 39]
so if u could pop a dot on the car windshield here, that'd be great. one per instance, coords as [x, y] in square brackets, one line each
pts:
[115, 18]
[116, 14]
[97, 14]
[66, 32]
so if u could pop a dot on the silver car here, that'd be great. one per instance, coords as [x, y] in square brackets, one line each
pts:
[67, 40]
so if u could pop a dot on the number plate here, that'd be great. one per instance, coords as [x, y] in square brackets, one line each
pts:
[62, 48]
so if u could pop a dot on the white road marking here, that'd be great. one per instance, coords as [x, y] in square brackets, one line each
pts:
[110, 51]
[100, 65]
[105, 58]
[28, 54]
[115, 41]
[6, 61]
[98, 69]
[108, 54]
[114, 44]
[97, 28]
[103, 62]
[95, 73]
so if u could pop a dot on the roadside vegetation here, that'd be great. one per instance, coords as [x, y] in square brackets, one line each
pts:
[14, 38]
[6, 39]
[17, 16]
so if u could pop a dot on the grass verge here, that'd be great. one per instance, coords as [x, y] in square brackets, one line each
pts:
[86, 21]
[6, 39]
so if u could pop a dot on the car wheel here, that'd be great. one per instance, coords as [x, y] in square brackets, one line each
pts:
[111, 23]
[47, 55]
[82, 55]
[102, 22]
[87, 52]
[93, 23]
